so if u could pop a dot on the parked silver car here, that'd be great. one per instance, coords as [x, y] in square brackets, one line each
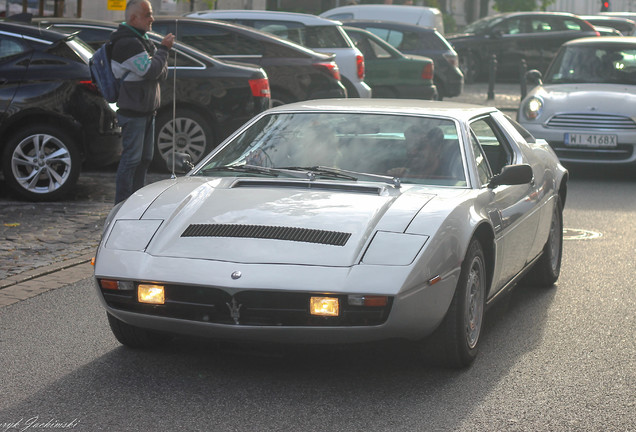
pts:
[584, 106]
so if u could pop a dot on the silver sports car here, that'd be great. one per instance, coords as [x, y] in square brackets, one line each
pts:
[337, 221]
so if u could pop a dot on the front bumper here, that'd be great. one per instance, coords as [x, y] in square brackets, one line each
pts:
[623, 153]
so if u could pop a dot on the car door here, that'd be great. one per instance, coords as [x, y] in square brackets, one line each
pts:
[512, 209]
[15, 54]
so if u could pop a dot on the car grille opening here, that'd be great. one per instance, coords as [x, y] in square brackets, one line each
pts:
[591, 121]
[250, 308]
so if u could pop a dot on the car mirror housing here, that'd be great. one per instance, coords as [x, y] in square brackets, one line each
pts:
[512, 175]
[181, 162]
[534, 77]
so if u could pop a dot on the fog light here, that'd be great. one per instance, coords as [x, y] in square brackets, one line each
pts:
[153, 294]
[324, 306]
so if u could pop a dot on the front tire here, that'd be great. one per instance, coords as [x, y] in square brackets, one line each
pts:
[459, 334]
[136, 337]
[41, 163]
[190, 132]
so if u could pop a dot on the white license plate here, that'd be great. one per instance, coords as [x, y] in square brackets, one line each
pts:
[591, 140]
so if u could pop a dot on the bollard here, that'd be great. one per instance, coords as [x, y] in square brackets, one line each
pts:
[523, 68]
[492, 72]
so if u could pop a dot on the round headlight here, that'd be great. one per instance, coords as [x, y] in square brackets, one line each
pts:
[533, 108]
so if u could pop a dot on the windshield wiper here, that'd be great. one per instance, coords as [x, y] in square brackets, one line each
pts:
[344, 174]
[254, 169]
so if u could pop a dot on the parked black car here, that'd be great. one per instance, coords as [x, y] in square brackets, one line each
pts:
[295, 73]
[52, 117]
[412, 39]
[213, 98]
[531, 36]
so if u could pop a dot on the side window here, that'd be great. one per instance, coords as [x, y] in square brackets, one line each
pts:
[572, 25]
[541, 25]
[496, 152]
[510, 26]
[483, 170]
[10, 47]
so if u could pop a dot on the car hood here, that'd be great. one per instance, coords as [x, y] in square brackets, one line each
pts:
[272, 221]
[601, 98]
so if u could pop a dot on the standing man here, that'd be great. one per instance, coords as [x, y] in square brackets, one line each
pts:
[143, 67]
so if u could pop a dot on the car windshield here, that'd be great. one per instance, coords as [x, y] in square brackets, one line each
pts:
[594, 64]
[345, 146]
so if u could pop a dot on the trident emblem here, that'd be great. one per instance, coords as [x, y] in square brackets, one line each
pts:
[235, 310]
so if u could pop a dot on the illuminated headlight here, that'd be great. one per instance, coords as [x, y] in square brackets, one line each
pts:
[324, 306]
[152, 294]
[533, 108]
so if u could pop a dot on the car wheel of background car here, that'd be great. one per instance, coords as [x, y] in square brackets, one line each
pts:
[41, 163]
[191, 132]
[546, 271]
[135, 337]
[460, 330]
[469, 65]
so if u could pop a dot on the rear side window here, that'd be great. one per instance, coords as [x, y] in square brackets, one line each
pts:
[572, 25]
[411, 41]
[311, 37]
[10, 47]
[218, 41]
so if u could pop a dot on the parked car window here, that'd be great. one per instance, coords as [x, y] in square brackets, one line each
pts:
[539, 25]
[369, 48]
[509, 27]
[494, 148]
[218, 42]
[572, 25]
[10, 47]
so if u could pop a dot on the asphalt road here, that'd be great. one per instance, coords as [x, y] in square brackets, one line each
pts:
[561, 359]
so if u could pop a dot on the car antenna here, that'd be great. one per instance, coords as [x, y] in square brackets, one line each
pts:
[174, 103]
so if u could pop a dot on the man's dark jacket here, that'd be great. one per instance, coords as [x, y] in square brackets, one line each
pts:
[139, 94]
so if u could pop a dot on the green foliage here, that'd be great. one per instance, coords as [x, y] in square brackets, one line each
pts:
[521, 5]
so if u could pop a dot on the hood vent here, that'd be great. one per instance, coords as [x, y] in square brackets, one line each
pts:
[333, 238]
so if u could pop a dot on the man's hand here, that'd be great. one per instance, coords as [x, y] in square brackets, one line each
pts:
[168, 40]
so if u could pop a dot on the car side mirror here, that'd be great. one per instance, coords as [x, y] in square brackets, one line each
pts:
[534, 77]
[181, 162]
[512, 175]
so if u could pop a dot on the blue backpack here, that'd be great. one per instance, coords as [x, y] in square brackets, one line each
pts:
[102, 73]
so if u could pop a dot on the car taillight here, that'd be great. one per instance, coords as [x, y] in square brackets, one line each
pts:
[451, 59]
[260, 87]
[360, 66]
[427, 72]
[331, 67]
[90, 85]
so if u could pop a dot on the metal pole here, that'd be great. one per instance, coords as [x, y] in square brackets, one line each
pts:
[523, 68]
[492, 72]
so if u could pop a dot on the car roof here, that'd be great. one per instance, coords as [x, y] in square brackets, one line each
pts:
[306, 19]
[391, 24]
[32, 31]
[607, 40]
[251, 31]
[456, 110]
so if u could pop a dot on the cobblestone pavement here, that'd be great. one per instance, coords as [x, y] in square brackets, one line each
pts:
[41, 241]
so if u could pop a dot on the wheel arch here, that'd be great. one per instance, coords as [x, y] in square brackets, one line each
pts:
[486, 236]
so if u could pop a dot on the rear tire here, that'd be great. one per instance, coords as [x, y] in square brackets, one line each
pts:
[193, 135]
[546, 271]
[136, 337]
[41, 163]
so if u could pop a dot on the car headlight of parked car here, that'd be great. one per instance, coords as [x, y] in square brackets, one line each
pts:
[533, 108]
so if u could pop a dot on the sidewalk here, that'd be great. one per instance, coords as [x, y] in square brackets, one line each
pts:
[44, 246]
